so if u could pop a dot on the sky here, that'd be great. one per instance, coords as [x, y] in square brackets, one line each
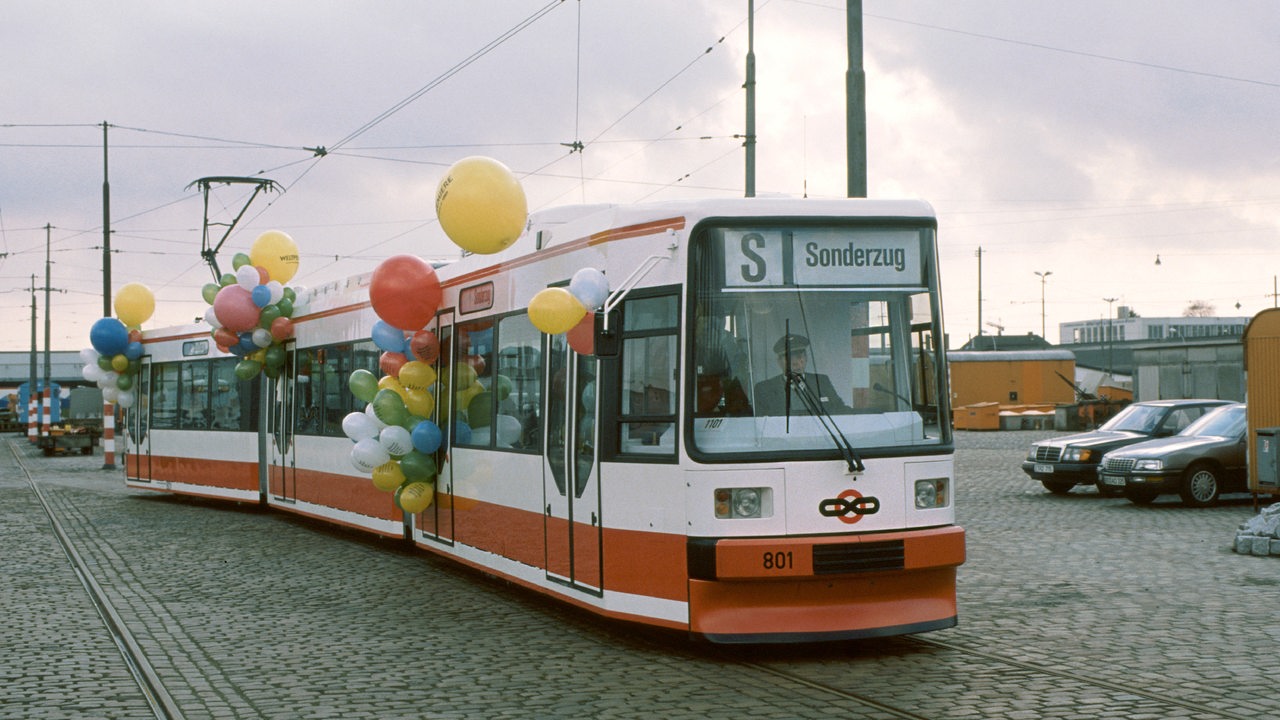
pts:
[1073, 144]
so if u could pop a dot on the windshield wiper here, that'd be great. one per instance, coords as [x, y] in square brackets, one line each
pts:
[828, 423]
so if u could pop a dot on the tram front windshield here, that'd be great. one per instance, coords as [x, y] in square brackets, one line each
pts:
[800, 334]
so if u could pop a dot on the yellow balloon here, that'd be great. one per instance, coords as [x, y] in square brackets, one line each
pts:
[276, 253]
[420, 402]
[464, 376]
[134, 304]
[390, 382]
[416, 497]
[555, 310]
[119, 363]
[481, 205]
[417, 375]
[388, 476]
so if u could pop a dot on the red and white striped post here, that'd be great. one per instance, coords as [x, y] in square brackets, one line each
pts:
[33, 429]
[46, 413]
[108, 436]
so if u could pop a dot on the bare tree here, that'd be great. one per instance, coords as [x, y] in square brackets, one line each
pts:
[1199, 308]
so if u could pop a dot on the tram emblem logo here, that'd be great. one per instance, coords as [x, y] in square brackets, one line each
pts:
[849, 506]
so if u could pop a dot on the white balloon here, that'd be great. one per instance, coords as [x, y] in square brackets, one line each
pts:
[261, 337]
[110, 394]
[211, 318]
[358, 426]
[369, 452]
[508, 430]
[248, 278]
[125, 398]
[368, 410]
[89, 355]
[91, 372]
[396, 440]
[590, 287]
[276, 290]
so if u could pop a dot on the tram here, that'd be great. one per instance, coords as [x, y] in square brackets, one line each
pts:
[757, 450]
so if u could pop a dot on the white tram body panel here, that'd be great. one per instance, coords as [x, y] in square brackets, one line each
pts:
[648, 482]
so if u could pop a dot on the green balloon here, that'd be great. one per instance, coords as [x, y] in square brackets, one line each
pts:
[285, 306]
[289, 294]
[240, 260]
[388, 407]
[363, 384]
[274, 357]
[479, 410]
[417, 466]
[272, 371]
[210, 291]
[268, 315]
[104, 362]
[248, 369]
[124, 382]
[227, 279]
[411, 421]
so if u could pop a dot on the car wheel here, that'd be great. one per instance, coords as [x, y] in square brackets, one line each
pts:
[1141, 497]
[1058, 487]
[1200, 485]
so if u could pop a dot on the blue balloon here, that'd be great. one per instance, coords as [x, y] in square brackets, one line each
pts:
[133, 350]
[461, 433]
[426, 437]
[109, 336]
[388, 338]
[261, 296]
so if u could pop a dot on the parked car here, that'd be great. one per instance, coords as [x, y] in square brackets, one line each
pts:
[1199, 463]
[1061, 463]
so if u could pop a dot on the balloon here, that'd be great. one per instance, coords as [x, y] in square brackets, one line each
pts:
[133, 350]
[89, 355]
[209, 292]
[108, 336]
[124, 382]
[396, 440]
[285, 307]
[235, 309]
[239, 260]
[91, 372]
[415, 497]
[387, 337]
[476, 362]
[417, 375]
[275, 290]
[225, 337]
[281, 329]
[110, 394]
[502, 387]
[418, 466]
[126, 398]
[507, 430]
[261, 338]
[424, 346]
[419, 402]
[134, 304]
[358, 426]
[247, 277]
[481, 206]
[405, 292]
[426, 437]
[555, 310]
[119, 363]
[367, 454]
[363, 384]
[211, 318]
[368, 410]
[461, 433]
[276, 253]
[248, 369]
[391, 382]
[590, 287]
[582, 337]
[261, 296]
[388, 476]
[464, 376]
[480, 410]
[274, 357]
[270, 313]
[388, 407]
[227, 279]
[104, 361]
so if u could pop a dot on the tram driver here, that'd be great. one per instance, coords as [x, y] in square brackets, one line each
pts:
[792, 352]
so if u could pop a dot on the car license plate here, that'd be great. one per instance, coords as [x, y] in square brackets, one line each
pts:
[1116, 480]
[1043, 468]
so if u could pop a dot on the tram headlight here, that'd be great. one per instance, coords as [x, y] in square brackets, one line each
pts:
[735, 503]
[931, 493]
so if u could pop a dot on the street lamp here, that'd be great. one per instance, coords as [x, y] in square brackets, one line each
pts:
[1110, 336]
[1043, 277]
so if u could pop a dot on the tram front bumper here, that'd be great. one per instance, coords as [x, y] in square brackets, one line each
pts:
[768, 590]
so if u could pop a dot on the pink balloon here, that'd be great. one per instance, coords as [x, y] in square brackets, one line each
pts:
[235, 309]
[582, 337]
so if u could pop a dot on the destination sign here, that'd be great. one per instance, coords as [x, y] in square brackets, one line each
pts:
[821, 257]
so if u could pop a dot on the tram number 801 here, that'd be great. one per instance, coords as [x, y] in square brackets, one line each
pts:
[778, 561]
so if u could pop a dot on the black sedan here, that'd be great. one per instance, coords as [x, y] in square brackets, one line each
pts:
[1199, 463]
[1064, 462]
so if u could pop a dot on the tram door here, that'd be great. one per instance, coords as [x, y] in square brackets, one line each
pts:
[280, 407]
[137, 420]
[436, 522]
[571, 484]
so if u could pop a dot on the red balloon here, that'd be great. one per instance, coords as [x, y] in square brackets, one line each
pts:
[582, 337]
[264, 277]
[425, 346]
[476, 362]
[405, 292]
[235, 309]
[225, 338]
[135, 335]
[281, 329]
[390, 363]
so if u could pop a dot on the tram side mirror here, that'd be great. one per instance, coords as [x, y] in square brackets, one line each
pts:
[608, 342]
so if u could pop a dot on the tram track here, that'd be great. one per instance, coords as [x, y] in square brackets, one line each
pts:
[158, 698]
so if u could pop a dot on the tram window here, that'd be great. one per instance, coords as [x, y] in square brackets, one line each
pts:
[517, 384]
[473, 380]
[648, 395]
[226, 399]
[653, 313]
[193, 405]
[164, 396]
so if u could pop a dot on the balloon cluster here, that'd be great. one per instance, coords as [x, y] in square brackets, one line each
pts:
[251, 309]
[113, 358]
[394, 438]
[572, 311]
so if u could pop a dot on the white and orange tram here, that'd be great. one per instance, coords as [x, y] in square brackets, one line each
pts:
[759, 448]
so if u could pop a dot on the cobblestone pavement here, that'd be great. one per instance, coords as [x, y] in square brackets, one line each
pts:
[1072, 606]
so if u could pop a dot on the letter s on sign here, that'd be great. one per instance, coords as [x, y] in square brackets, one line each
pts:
[758, 273]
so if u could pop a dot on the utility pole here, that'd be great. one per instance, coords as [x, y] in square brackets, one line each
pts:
[1110, 337]
[1044, 276]
[47, 413]
[750, 86]
[108, 409]
[31, 384]
[979, 254]
[856, 104]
